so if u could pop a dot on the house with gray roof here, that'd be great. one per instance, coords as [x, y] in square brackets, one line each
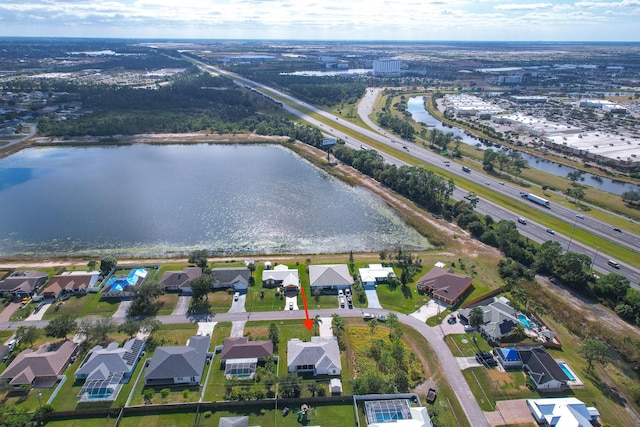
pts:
[320, 356]
[41, 367]
[179, 280]
[499, 318]
[545, 372]
[23, 284]
[106, 369]
[236, 278]
[330, 277]
[179, 364]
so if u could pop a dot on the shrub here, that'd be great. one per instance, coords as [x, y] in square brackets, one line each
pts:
[165, 393]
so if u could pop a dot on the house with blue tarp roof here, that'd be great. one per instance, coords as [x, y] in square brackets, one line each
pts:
[509, 358]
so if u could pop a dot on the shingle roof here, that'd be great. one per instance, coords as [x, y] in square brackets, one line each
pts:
[445, 283]
[242, 348]
[179, 361]
[329, 275]
[100, 362]
[231, 275]
[179, 279]
[541, 366]
[65, 281]
[25, 281]
[49, 360]
[321, 352]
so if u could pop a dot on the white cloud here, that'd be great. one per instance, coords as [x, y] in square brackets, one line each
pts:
[524, 6]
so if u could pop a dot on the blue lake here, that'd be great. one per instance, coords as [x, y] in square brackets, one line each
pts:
[145, 200]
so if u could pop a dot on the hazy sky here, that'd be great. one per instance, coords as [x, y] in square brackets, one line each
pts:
[606, 20]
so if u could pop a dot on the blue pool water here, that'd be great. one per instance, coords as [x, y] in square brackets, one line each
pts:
[566, 370]
[523, 319]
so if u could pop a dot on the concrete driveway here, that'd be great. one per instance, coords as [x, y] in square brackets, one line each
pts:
[182, 306]
[511, 412]
[123, 308]
[42, 311]
[372, 299]
[238, 306]
[294, 300]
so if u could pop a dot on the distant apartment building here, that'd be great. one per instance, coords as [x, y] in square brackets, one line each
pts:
[509, 80]
[386, 67]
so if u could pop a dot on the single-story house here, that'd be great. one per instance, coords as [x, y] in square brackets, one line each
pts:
[69, 282]
[281, 276]
[23, 284]
[499, 318]
[444, 285]
[240, 357]
[543, 369]
[242, 348]
[40, 367]
[563, 411]
[4, 351]
[179, 280]
[375, 274]
[329, 277]
[321, 356]
[179, 364]
[508, 357]
[106, 369]
[236, 278]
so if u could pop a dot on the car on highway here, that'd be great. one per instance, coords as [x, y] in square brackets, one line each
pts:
[522, 220]
[550, 231]
[617, 229]
[501, 183]
[580, 216]
[487, 183]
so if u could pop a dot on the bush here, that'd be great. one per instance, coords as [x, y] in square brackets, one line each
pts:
[207, 414]
[165, 393]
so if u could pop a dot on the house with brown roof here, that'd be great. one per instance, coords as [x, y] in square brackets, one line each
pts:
[444, 285]
[69, 282]
[40, 367]
[240, 357]
[179, 280]
[23, 283]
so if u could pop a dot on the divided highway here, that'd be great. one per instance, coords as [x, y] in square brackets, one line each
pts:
[535, 231]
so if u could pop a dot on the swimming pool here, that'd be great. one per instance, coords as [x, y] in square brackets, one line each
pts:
[567, 371]
[523, 319]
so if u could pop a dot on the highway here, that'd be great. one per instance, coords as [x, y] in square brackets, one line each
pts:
[535, 231]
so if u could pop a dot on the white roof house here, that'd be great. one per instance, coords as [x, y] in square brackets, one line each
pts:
[281, 275]
[374, 274]
[562, 412]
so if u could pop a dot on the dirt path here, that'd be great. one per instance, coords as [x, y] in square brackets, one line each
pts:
[590, 310]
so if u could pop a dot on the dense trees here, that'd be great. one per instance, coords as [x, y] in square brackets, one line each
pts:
[145, 299]
[97, 331]
[27, 334]
[200, 288]
[199, 258]
[107, 264]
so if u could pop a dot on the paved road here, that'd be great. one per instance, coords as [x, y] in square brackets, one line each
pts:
[449, 363]
[537, 232]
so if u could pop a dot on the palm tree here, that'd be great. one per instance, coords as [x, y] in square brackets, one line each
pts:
[518, 331]
[476, 319]
[337, 324]
[316, 324]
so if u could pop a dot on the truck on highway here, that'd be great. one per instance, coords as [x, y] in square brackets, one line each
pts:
[536, 199]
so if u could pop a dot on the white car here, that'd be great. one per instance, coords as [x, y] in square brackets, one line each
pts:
[236, 296]
[290, 305]
[340, 293]
[580, 216]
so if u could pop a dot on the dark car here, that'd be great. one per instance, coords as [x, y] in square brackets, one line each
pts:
[617, 229]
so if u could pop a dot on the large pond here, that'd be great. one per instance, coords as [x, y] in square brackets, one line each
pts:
[145, 200]
[418, 112]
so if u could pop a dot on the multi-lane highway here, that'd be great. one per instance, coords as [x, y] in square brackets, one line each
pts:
[537, 232]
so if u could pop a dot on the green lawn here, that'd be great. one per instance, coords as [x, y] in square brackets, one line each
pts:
[167, 303]
[462, 345]
[91, 304]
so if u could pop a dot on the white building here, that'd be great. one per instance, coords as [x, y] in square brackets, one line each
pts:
[563, 411]
[385, 67]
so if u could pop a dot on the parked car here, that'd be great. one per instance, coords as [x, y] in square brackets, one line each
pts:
[341, 301]
[381, 318]
[236, 296]
[367, 316]
[347, 292]
[290, 305]
[340, 293]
